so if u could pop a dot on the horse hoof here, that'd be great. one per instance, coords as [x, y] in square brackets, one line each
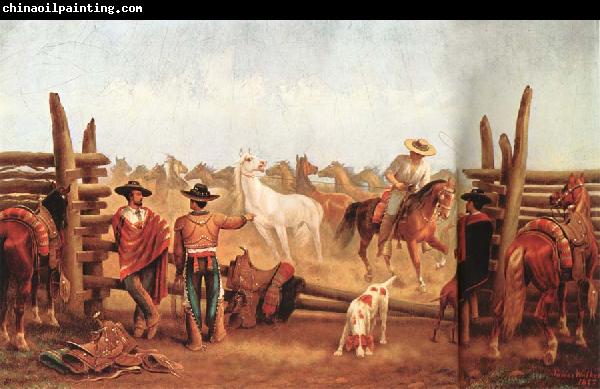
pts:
[53, 322]
[4, 338]
[338, 353]
[21, 344]
[368, 277]
[434, 340]
[564, 331]
[549, 358]
[422, 288]
[581, 343]
[36, 319]
[495, 353]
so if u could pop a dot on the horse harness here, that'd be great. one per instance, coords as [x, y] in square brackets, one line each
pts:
[570, 237]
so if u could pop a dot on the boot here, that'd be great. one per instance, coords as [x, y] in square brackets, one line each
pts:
[194, 337]
[219, 332]
[139, 324]
[384, 233]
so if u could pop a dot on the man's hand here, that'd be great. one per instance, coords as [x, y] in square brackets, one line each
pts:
[249, 216]
[178, 284]
[400, 186]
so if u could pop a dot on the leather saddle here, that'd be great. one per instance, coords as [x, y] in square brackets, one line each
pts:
[247, 286]
[110, 347]
[575, 231]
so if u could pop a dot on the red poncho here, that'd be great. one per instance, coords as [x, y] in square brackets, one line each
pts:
[139, 247]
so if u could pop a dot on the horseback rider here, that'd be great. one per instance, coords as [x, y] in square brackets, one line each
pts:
[195, 249]
[142, 238]
[407, 174]
[474, 238]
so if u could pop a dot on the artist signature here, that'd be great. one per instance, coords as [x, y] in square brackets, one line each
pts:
[583, 377]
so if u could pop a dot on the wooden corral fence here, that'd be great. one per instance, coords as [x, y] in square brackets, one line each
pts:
[20, 186]
[519, 195]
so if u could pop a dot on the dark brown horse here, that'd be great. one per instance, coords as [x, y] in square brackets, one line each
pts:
[334, 204]
[533, 258]
[20, 259]
[432, 201]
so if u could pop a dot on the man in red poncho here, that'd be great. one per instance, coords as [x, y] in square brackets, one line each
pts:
[142, 238]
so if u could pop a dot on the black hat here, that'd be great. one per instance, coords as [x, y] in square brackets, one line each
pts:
[124, 190]
[476, 195]
[199, 192]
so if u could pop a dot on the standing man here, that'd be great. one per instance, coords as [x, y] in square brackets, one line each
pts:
[196, 241]
[474, 238]
[407, 174]
[142, 238]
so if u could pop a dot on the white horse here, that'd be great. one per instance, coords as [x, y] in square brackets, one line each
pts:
[276, 211]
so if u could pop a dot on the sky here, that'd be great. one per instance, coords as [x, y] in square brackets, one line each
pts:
[350, 91]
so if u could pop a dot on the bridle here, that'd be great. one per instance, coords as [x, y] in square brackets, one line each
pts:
[439, 207]
[556, 207]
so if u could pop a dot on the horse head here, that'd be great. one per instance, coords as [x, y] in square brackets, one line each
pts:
[121, 165]
[56, 203]
[571, 194]
[445, 198]
[328, 171]
[276, 169]
[157, 172]
[200, 171]
[249, 163]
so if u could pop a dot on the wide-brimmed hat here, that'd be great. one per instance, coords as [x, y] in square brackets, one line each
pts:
[420, 146]
[199, 192]
[132, 185]
[476, 195]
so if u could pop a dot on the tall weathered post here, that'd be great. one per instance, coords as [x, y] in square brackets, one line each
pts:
[64, 162]
[514, 164]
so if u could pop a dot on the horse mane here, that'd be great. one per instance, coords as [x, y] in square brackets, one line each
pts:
[57, 206]
[417, 198]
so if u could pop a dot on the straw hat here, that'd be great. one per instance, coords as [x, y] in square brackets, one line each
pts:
[420, 146]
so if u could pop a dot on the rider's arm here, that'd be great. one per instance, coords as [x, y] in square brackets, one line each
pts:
[392, 179]
[425, 178]
[229, 222]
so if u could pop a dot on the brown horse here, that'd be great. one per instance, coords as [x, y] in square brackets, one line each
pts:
[432, 201]
[533, 257]
[20, 259]
[280, 177]
[334, 204]
[343, 181]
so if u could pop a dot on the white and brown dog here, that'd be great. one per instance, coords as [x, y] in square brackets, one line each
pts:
[361, 318]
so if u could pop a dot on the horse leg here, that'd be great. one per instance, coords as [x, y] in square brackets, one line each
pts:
[4, 338]
[415, 256]
[541, 317]
[441, 247]
[23, 290]
[51, 316]
[562, 309]
[362, 252]
[34, 305]
[282, 235]
[265, 232]
[581, 305]
[316, 235]
[436, 327]
[495, 335]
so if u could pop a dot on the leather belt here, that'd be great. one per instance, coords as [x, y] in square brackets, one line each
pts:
[209, 255]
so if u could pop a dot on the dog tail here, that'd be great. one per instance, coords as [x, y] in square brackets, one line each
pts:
[389, 281]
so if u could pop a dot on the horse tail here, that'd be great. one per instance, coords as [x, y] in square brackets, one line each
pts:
[514, 293]
[345, 229]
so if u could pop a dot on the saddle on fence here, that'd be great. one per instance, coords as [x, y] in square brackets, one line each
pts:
[570, 238]
[248, 287]
[110, 350]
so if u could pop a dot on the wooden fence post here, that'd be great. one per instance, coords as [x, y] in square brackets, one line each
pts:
[513, 173]
[64, 161]
[94, 305]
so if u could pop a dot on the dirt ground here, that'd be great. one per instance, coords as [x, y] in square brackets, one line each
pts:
[299, 353]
